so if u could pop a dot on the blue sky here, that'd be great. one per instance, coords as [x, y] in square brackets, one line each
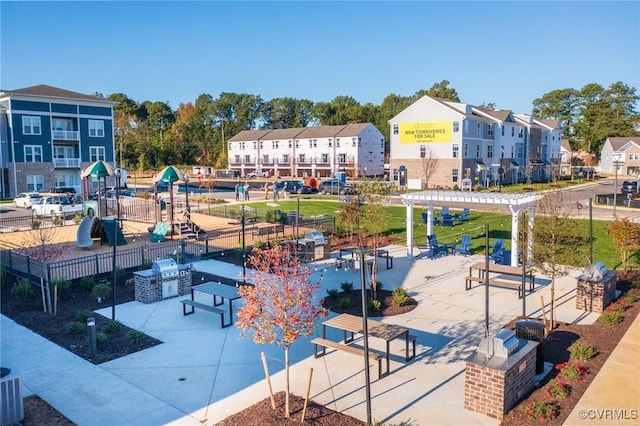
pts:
[508, 53]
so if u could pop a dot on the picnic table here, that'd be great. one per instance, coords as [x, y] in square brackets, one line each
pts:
[504, 272]
[352, 324]
[220, 292]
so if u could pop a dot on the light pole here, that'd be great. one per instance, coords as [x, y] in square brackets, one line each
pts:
[616, 158]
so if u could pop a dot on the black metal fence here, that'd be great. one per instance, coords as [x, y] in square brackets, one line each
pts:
[30, 221]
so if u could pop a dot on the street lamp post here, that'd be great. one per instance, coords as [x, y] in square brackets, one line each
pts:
[616, 159]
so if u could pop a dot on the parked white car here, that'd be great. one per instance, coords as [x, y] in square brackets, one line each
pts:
[26, 199]
[56, 205]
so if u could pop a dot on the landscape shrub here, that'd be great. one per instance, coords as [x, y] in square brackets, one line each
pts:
[23, 290]
[571, 371]
[541, 411]
[101, 339]
[399, 296]
[557, 390]
[77, 218]
[346, 286]
[619, 306]
[333, 292]
[146, 264]
[63, 285]
[100, 291]
[582, 351]
[121, 275]
[82, 315]
[345, 303]
[87, 283]
[112, 327]
[136, 336]
[375, 305]
[610, 317]
[73, 327]
[58, 220]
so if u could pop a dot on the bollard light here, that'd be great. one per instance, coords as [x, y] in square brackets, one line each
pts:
[91, 332]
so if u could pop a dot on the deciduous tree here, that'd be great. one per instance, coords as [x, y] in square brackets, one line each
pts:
[281, 305]
[626, 236]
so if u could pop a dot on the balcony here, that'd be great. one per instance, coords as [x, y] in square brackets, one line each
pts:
[65, 135]
[66, 163]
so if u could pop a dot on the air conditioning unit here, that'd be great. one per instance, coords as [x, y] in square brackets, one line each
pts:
[12, 406]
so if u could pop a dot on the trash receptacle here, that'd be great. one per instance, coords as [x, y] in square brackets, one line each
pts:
[533, 330]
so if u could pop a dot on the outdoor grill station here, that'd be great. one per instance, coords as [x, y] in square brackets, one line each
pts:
[165, 279]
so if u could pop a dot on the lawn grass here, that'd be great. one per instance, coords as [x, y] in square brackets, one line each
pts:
[499, 226]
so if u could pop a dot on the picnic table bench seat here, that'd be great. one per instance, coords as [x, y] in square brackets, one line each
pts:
[325, 343]
[205, 307]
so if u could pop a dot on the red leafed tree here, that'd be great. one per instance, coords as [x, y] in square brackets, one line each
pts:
[279, 307]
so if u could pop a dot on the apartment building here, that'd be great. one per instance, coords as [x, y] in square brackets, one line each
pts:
[48, 135]
[356, 149]
[443, 144]
[622, 153]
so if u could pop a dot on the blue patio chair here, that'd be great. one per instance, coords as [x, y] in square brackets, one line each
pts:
[445, 211]
[447, 220]
[425, 217]
[465, 246]
[497, 253]
[461, 217]
[435, 247]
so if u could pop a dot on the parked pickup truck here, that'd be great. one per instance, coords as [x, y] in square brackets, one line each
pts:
[56, 205]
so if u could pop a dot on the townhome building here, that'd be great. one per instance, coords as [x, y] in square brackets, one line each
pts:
[48, 135]
[623, 154]
[356, 149]
[437, 143]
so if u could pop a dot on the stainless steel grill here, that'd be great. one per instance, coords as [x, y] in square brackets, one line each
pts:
[503, 344]
[169, 273]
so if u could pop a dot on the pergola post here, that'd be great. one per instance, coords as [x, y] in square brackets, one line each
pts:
[430, 219]
[515, 221]
[409, 205]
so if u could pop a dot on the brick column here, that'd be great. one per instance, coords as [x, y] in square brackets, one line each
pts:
[495, 385]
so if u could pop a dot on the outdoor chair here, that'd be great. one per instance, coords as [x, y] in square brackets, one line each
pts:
[497, 253]
[461, 217]
[435, 247]
[465, 246]
[425, 217]
[445, 212]
[447, 220]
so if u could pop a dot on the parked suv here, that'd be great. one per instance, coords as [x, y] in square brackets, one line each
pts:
[630, 187]
[336, 187]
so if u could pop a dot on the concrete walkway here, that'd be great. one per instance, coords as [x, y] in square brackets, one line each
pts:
[202, 373]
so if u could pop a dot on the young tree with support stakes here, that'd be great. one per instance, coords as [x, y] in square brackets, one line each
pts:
[281, 305]
[626, 236]
[555, 242]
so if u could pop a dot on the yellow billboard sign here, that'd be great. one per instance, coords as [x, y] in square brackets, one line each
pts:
[425, 132]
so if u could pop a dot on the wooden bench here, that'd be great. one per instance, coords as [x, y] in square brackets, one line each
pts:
[205, 307]
[497, 283]
[324, 343]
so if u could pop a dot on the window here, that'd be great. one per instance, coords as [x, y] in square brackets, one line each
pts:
[423, 151]
[396, 129]
[310, 143]
[229, 146]
[297, 143]
[35, 183]
[478, 151]
[261, 145]
[489, 151]
[32, 154]
[520, 149]
[247, 158]
[31, 125]
[490, 129]
[274, 144]
[285, 158]
[353, 142]
[479, 128]
[456, 126]
[242, 146]
[513, 131]
[512, 148]
[520, 132]
[300, 158]
[465, 151]
[61, 124]
[359, 142]
[342, 158]
[315, 143]
[324, 158]
[503, 130]
[330, 143]
[96, 153]
[265, 158]
[466, 127]
[338, 143]
[454, 175]
[290, 144]
[96, 128]
[255, 144]
[456, 150]
[237, 159]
